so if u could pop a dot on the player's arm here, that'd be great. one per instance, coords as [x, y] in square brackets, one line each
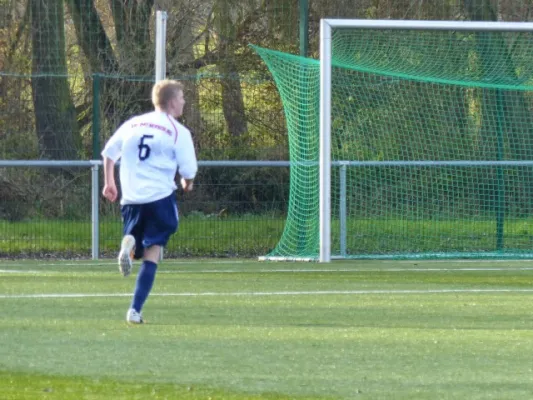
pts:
[187, 184]
[111, 153]
[187, 163]
[110, 191]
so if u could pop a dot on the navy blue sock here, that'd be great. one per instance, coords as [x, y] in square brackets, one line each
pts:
[145, 281]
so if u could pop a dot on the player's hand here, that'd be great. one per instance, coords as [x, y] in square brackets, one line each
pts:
[186, 184]
[110, 192]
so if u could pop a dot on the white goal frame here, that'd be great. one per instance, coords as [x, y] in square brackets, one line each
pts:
[326, 28]
[161, 18]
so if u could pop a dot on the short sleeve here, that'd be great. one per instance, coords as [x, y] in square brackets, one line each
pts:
[113, 148]
[186, 154]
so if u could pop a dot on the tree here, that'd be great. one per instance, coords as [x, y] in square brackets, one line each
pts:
[183, 35]
[514, 107]
[232, 98]
[55, 114]
[92, 36]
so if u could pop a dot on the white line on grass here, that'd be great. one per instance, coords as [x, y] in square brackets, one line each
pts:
[114, 263]
[18, 271]
[280, 270]
[281, 293]
[83, 263]
[354, 270]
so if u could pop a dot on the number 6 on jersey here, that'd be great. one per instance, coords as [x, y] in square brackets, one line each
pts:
[144, 149]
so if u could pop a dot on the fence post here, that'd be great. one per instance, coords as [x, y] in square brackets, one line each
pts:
[95, 193]
[96, 116]
[304, 27]
[343, 215]
[500, 195]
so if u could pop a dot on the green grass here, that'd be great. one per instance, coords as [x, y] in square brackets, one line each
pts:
[246, 330]
[247, 235]
[26, 386]
[257, 235]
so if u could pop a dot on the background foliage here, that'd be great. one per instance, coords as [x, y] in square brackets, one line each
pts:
[72, 70]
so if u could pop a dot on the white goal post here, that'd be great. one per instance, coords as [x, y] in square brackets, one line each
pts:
[160, 58]
[326, 28]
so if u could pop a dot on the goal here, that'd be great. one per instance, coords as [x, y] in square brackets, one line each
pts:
[409, 139]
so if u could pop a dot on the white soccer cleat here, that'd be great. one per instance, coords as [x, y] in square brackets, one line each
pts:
[125, 257]
[134, 317]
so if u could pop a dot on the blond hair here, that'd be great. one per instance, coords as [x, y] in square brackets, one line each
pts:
[163, 91]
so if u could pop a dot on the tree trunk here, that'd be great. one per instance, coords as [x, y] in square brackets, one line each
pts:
[55, 114]
[132, 28]
[181, 34]
[92, 36]
[232, 97]
[507, 124]
[511, 107]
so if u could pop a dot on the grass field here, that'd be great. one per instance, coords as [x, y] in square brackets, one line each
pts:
[257, 235]
[235, 329]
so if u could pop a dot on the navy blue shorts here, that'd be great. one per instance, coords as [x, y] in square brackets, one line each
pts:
[150, 223]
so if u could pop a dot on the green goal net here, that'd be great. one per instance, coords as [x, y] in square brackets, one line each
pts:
[431, 142]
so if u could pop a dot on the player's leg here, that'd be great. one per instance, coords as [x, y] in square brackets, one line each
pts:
[144, 284]
[125, 256]
[131, 245]
[162, 224]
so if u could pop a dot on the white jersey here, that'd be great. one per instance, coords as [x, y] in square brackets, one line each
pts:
[152, 148]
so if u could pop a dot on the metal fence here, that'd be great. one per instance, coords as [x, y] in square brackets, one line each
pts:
[54, 209]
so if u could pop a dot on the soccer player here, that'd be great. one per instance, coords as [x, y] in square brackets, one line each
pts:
[152, 147]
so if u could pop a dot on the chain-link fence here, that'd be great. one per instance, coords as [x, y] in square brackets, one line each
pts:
[72, 71]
